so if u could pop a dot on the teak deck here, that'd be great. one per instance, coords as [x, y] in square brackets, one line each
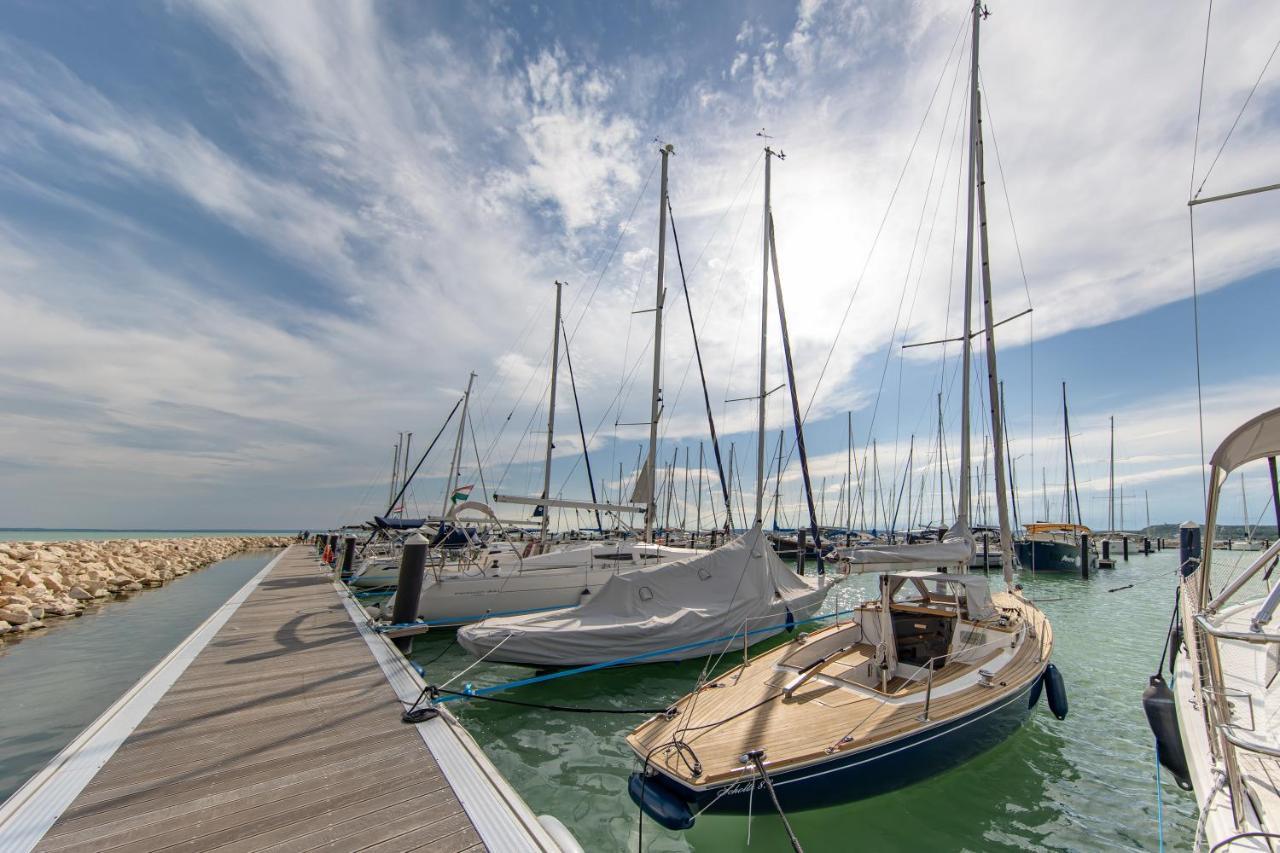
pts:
[283, 734]
[818, 715]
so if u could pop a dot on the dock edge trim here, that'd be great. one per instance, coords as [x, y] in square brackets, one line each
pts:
[34, 808]
[499, 814]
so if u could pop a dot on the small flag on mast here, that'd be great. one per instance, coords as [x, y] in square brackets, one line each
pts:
[462, 492]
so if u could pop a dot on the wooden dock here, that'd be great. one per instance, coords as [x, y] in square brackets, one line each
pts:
[280, 730]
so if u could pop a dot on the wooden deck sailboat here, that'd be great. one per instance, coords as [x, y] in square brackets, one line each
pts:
[933, 671]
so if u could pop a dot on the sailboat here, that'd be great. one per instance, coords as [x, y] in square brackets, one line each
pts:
[1217, 730]
[741, 591]
[1248, 543]
[1058, 546]
[934, 670]
[542, 576]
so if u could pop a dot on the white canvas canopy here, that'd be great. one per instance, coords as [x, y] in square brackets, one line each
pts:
[977, 590]
[1257, 438]
[661, 609]
[952, 551]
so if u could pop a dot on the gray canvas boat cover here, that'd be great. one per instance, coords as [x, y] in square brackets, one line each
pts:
[673, 611]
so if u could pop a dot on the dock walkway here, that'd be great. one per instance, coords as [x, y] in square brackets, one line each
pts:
[275, 726]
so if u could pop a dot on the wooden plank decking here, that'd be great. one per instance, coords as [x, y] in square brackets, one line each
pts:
[283, 734]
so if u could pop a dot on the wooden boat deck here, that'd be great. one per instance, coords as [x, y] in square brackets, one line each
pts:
[818, 715]
[282, 734]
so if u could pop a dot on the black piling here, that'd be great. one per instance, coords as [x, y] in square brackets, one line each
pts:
[1188, 547]
[801, 546]
[1146, 544]
[1124, 549]
[1106, 549]
[348, 556]
[409, 586]
[1084, 554]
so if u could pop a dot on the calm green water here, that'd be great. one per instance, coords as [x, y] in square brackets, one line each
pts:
[1083, 784]
[57, 681]
[50, 535]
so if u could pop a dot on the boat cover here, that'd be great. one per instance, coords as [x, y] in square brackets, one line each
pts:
[955, 550]
[399, 523]
[658, 609]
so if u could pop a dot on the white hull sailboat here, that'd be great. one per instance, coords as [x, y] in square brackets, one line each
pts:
[1218, 729]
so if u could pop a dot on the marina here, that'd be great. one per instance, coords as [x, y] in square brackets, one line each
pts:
[814, 425]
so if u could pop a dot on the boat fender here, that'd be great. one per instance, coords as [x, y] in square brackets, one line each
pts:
[791, 621]
[1175, 643]
[1036, 690]
[656, 799]
[1162, 717]
[1056, 691]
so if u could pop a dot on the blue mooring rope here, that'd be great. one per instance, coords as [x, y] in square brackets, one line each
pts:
[565, 673]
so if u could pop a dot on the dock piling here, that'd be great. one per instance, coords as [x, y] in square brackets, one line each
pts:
[1084, 554]
[413, 561]
[348, 557]
[801, 544]
[1188, 547]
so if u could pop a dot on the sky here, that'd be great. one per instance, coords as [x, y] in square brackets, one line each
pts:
[245, 245]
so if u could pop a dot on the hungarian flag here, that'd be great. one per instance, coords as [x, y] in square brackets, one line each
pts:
[462, 492]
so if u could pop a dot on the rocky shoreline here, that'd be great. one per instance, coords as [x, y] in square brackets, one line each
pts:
[39, 580]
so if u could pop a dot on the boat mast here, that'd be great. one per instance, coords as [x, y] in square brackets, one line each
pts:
[1111, 482]
[457, 451]
[655, 409]
[848, 474]
[777, 484]
[993, 378]
[764, 343]
[551, 416]
[404, 478]
[395, 470]
[962, 509]
[1066, 458]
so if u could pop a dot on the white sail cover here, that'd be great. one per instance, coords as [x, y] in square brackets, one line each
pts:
[660, 611]
[952, 551]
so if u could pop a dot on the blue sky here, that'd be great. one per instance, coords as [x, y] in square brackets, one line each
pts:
[245, 244]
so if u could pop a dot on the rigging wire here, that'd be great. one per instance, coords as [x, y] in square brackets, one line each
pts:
[1191, 221]
[1243, 107]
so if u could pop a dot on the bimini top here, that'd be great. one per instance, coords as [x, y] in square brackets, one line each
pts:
[1055, 527]
[977, 591]
[1257, 438]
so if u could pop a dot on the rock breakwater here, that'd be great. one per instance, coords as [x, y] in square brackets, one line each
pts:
[39, 580]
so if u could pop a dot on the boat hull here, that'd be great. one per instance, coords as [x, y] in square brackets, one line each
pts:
[852, 776]
[1040, 556]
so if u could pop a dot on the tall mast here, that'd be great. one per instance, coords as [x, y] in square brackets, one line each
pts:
[697, 524]
[551, 416]
[1066, 457]
[457, 451]
[395, 469]
[942, 471]
[993, 377]
[777, 484]
[875, 488]
[1111, 482]
[404, 478]
[962, 509]
[655, 408]
[848, 473]
[764, 342]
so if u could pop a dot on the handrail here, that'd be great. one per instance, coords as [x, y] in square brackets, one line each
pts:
[929, 664]
[1241, 742]
[1244, 636]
